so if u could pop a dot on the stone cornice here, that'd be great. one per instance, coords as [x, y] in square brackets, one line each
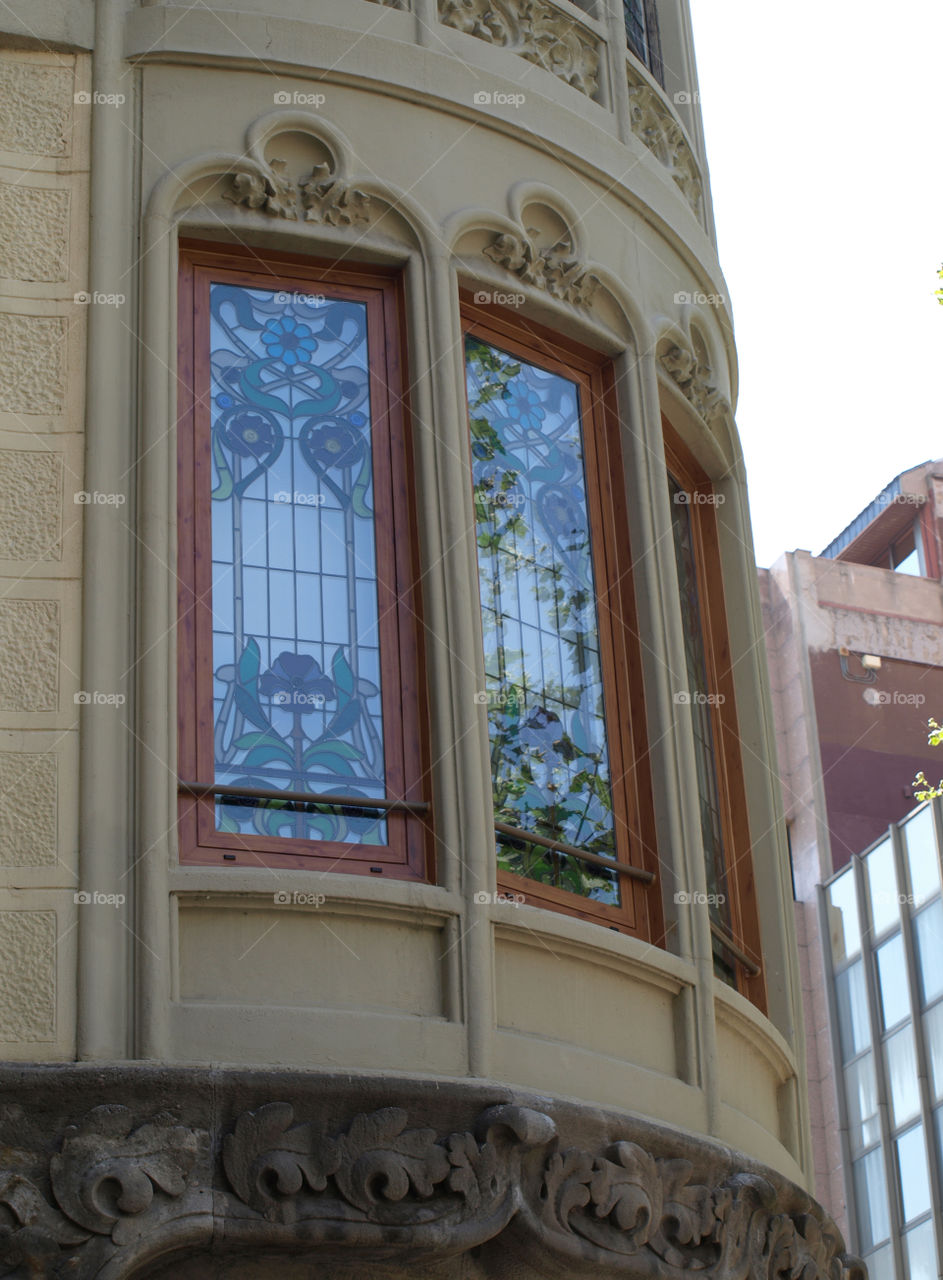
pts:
[201, 1160]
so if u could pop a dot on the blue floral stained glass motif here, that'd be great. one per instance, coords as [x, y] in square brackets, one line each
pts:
[549, 751]
[296, 652]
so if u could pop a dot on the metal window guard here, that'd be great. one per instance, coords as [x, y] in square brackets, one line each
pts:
[558, 846]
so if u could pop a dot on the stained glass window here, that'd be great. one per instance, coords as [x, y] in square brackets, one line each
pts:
[295, 618]
[550, 754]
[301, 712]
[700, 698]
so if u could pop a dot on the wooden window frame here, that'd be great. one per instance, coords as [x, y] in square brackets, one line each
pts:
[408, 853]
[738, 852]
[640, 911]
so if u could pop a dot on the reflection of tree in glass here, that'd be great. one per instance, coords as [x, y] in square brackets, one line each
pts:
[550, 764]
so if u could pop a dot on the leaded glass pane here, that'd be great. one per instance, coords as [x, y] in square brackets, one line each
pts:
[922, 859]
[635, 28]
[549, 750]
[295, 611]
[698, 697]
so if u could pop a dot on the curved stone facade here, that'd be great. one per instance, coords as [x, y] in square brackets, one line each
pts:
[515, 153]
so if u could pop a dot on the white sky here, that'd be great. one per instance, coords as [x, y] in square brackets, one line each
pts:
[825, 146]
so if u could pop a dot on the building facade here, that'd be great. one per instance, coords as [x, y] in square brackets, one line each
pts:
[392, 860]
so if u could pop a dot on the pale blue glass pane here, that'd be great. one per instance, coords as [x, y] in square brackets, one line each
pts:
[933, 1033]
[550, 757]
[292, 500]
[914, 1177]
[852, 1003]
[892, 980]
[902, 1075]
[222, 597]
[871, 1200]
[862, 1100]
[920, 1252]
[882, 887]
[928, 942]
[922, 859]
[881, 1264]
[843, 918]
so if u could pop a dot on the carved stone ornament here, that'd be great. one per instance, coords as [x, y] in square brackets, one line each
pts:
[535, 30]
[553, 268]
[325, 199]
[655, 125]
[386, 1192]
[693, 377]
[322, 197]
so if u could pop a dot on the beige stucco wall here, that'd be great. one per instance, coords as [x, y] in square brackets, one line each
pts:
[203, 965]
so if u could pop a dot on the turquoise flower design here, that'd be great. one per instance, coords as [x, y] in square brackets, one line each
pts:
[525, 408]
[287, 340]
